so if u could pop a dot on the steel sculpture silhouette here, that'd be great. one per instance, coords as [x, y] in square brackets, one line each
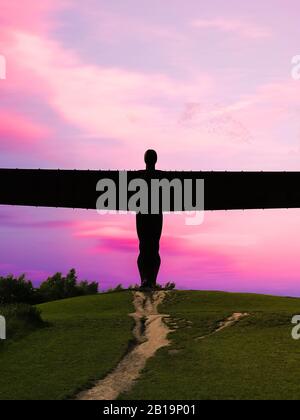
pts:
[77, 189]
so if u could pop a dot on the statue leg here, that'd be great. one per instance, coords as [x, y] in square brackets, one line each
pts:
[149, 228]
[149, 266]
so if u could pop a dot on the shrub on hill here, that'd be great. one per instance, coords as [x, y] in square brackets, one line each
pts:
[118, 288]
[21, 319]
[166, 287]
[16, 290]
[59, 287]
[19, 290]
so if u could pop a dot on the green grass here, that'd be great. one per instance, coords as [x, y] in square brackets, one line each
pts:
[254, 359]
[85, 337]
[84, 340]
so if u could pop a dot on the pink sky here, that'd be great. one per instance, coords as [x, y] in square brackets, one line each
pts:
[208, 84]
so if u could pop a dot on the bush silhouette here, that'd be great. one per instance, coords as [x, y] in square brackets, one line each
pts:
[16, 290]
[19, 290]
[59, 287]
[21, 319]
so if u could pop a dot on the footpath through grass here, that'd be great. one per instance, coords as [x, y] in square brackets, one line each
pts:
[254, 359]
[85, 339]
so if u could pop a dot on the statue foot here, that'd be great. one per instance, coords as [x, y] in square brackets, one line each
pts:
[148, 285]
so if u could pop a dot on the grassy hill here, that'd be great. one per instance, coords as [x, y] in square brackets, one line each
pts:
[254, 359]
[86, 337]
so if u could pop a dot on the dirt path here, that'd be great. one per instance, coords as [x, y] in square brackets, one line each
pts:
[150, 333]
[228, 322]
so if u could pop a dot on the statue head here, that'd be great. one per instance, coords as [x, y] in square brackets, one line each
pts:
[150, 159]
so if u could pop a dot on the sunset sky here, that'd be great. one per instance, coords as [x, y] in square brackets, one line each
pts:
[92, 84]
